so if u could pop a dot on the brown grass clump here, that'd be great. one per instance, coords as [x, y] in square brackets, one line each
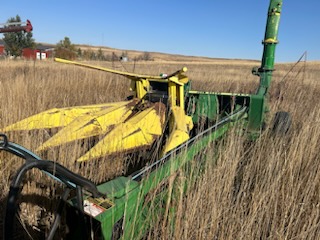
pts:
[266, 189]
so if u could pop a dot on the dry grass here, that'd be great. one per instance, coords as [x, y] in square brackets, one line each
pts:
[269, 189]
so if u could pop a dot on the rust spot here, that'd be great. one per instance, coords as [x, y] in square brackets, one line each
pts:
[133, 102]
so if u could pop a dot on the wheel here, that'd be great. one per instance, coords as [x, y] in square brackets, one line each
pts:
[117, 230]
[281, 123]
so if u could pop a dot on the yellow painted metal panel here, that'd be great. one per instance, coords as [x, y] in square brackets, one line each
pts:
[139, 131]
[176, 138]
[90, 124]
[172, 93]
[126, 74]
[140, 89]
[56, 117]
[180, 125]
[181, 97]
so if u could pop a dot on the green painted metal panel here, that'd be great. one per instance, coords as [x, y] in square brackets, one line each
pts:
[118, 187]
[258, 103]
[270, 42]
[256, 112]
[131, 204]
[202, 106]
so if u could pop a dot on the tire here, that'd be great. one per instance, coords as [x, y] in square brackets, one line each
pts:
[117, 230]
[281, 123]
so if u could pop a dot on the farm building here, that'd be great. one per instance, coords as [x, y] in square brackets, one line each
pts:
[41, 52]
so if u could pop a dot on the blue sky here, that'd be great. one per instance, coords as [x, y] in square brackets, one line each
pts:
[212, 28]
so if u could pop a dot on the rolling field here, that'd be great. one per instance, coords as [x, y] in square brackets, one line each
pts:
[266, 189]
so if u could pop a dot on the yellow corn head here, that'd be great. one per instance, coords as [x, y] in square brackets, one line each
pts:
[123, 126]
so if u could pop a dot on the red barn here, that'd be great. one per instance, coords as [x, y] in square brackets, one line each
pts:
[41, 52]
[1, 49]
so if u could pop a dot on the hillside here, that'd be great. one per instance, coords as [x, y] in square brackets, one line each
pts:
[155, 56]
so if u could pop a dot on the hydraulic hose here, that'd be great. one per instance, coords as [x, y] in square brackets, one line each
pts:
[70, 179]
[58, 213]
[49, 166]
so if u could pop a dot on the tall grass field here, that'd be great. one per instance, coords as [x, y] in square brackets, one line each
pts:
[266, 189]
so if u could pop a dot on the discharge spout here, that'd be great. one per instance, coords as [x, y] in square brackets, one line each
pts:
[270, 41]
